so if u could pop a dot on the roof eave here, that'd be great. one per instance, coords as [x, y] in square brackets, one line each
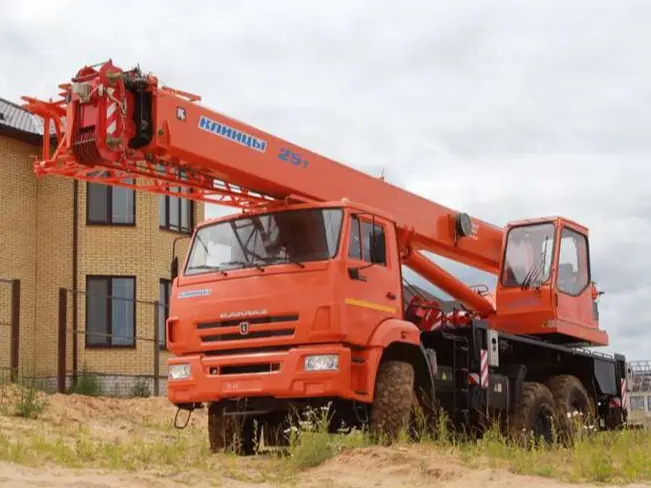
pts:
[21, 135]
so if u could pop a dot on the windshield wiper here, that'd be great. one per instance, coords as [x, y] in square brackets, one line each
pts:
[244, 264]
[277, 259]
[207, 267]
[220, 268]
[537, 269]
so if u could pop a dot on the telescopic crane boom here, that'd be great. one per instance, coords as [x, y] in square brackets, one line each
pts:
[126, 125]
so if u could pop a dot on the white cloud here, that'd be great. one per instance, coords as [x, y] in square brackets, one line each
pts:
[503, 109]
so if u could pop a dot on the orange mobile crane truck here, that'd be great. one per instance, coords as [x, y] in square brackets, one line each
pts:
[298, 299]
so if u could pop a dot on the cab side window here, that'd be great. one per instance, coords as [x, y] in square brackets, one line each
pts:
[367, 241]
[573, 268]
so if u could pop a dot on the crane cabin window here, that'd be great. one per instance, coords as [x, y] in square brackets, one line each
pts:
[284, 237]
[573, 270]
[528, 255]
[371, 235]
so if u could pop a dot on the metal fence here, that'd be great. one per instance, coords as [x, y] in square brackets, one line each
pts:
[9, 327]
[111, 345]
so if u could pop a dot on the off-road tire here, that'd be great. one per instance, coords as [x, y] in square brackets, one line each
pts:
[570, 395]
[393, 400]
[275, 427]
[229, 433]
[534, 416]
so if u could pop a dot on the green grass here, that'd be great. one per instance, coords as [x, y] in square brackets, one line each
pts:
[27, 405]
[613, 457]
[603, 457]
[184, 454]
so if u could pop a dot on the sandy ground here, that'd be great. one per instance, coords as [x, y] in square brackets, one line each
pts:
[120, 419]
[361, 469]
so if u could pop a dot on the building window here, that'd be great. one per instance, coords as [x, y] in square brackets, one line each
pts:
[110, 311]
[175, 213]
[163, 310]
[110, 205]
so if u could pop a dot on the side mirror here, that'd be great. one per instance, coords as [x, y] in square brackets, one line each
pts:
[174, 267]
[354, 274]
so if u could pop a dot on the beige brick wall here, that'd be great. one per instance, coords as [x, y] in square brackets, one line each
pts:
[36, 235]
[18, 232]
[54, 266]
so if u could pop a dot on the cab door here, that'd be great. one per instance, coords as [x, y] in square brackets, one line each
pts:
[372, 289]
[575, 301]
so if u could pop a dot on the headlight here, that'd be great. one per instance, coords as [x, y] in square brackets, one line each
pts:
[322, 362]
[178, 371]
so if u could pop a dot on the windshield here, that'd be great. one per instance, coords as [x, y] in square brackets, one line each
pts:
[528, 259]
[293, 236]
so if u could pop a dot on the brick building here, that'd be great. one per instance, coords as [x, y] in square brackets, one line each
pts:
[113, 245]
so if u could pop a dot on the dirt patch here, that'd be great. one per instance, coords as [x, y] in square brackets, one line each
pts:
[375, 467]
[417, 466]
[104, 417]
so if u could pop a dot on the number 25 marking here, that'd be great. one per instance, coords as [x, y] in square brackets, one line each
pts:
[292, 158]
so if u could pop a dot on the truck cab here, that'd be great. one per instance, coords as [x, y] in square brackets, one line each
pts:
[290, 302]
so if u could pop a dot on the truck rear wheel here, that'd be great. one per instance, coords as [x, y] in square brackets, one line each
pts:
[534, 415]
[393, 400]
[231, 433]
[571, 399]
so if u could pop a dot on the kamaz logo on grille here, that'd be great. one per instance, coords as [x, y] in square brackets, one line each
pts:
[244, 328]
[243, 314]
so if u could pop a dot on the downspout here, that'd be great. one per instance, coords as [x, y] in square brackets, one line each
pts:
[75, 258]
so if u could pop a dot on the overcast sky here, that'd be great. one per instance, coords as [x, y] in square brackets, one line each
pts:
[503, 109]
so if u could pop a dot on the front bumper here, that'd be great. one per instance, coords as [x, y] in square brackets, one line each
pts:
[213, 378]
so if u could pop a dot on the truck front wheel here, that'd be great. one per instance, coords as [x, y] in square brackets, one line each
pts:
[393, 400]
[231, 433]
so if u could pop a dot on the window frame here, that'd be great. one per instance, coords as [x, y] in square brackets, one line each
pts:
[503, 280]
[164, 310]
[164, 201]
[237, 221]
[578, 234]
[109, 312]
[109, 205]
[357, 222]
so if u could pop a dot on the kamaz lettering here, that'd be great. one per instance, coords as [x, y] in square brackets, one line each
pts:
[227, 132]
[245, 313]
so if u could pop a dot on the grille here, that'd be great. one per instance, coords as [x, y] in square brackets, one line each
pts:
[255, 329]
[252, 321]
